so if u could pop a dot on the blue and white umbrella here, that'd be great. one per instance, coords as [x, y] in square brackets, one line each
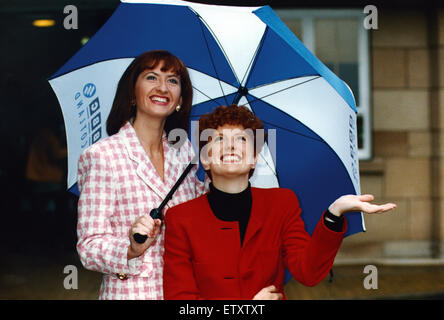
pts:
[244, 55]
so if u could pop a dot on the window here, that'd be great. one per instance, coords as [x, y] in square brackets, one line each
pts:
[338, 38]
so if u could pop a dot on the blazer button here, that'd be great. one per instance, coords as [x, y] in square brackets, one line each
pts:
[122, 276]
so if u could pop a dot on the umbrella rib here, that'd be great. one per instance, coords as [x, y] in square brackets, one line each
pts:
[201, 21]
[209, 98]
[295, 85]
[268, 165]
[253, 59]
[276, 126]
[314, 77]
[219, 43]
[295, 132]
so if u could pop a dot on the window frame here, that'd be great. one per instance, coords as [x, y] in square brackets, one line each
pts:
[307, 18]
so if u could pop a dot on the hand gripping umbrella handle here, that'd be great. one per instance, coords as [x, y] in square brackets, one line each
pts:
[141, 238]
[157, 213]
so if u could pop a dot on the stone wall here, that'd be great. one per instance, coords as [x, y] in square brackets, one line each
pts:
[408, 146]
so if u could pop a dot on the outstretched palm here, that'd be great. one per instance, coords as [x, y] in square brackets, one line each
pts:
[350, 203]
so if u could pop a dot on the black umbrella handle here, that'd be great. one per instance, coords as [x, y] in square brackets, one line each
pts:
[157, 213]
[141, 238]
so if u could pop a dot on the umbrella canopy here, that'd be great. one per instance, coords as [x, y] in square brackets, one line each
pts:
[243, 55]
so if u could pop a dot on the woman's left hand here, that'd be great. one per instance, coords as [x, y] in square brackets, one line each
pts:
[350, 203]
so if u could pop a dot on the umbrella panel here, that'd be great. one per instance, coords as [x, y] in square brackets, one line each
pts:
[121, 37]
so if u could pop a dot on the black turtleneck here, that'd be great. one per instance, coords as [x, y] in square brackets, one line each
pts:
[231, 207]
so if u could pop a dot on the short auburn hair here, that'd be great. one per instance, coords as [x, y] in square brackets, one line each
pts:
[232, 115]
[122, 109]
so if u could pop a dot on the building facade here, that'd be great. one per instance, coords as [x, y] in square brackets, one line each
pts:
[407, 163]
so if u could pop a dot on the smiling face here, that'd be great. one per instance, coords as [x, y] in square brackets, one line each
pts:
[229, 152]
[158, 92]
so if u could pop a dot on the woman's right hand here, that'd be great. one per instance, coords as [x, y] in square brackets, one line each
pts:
[144, 225]
[268, 293]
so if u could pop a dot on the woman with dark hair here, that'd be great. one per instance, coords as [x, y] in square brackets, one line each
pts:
[122, 177]
[235, 241]
[123, 108]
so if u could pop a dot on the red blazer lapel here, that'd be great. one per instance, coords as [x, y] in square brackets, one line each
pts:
[256, 218]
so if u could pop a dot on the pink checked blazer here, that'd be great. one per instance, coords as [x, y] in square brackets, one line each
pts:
[118, 184]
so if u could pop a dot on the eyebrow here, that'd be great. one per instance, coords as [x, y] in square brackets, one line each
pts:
[147, 71]
[243, 133]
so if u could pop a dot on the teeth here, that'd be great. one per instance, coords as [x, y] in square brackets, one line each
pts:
[159, 99]
[231, 158]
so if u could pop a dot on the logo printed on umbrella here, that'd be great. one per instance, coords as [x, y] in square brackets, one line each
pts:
[353, 153]
[89, 90]
[90, 119]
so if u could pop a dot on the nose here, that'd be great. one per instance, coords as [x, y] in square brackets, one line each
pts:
[162, 87]
[229, 144]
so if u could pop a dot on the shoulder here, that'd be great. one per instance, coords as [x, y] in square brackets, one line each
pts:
[105, 145]
[279, 200]
[102, 149]
[100, 157]
[275, 194]
[184, 210]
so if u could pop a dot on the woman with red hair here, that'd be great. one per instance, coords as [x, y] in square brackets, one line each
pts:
[236, 241]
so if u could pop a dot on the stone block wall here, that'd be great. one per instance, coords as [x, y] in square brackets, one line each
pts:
[407, 86]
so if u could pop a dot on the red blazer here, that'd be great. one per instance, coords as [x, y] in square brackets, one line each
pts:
[205, 260]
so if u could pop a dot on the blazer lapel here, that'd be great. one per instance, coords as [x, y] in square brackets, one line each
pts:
[256, 218]
[172, 166]
[145, 169]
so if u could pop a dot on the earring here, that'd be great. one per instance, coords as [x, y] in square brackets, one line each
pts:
[178, 108]
[133, 103]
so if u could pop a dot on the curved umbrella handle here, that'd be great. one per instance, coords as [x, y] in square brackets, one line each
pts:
[141, 238]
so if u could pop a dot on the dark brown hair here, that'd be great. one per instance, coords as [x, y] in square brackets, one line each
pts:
[231, 115]
[122, 109]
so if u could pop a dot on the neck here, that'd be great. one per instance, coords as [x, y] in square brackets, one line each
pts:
[149, 133]
[230, 184]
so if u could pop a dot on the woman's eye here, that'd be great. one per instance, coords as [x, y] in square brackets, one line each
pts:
[218, 138]
[241, 138]
[150, 77]
[174, 81]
